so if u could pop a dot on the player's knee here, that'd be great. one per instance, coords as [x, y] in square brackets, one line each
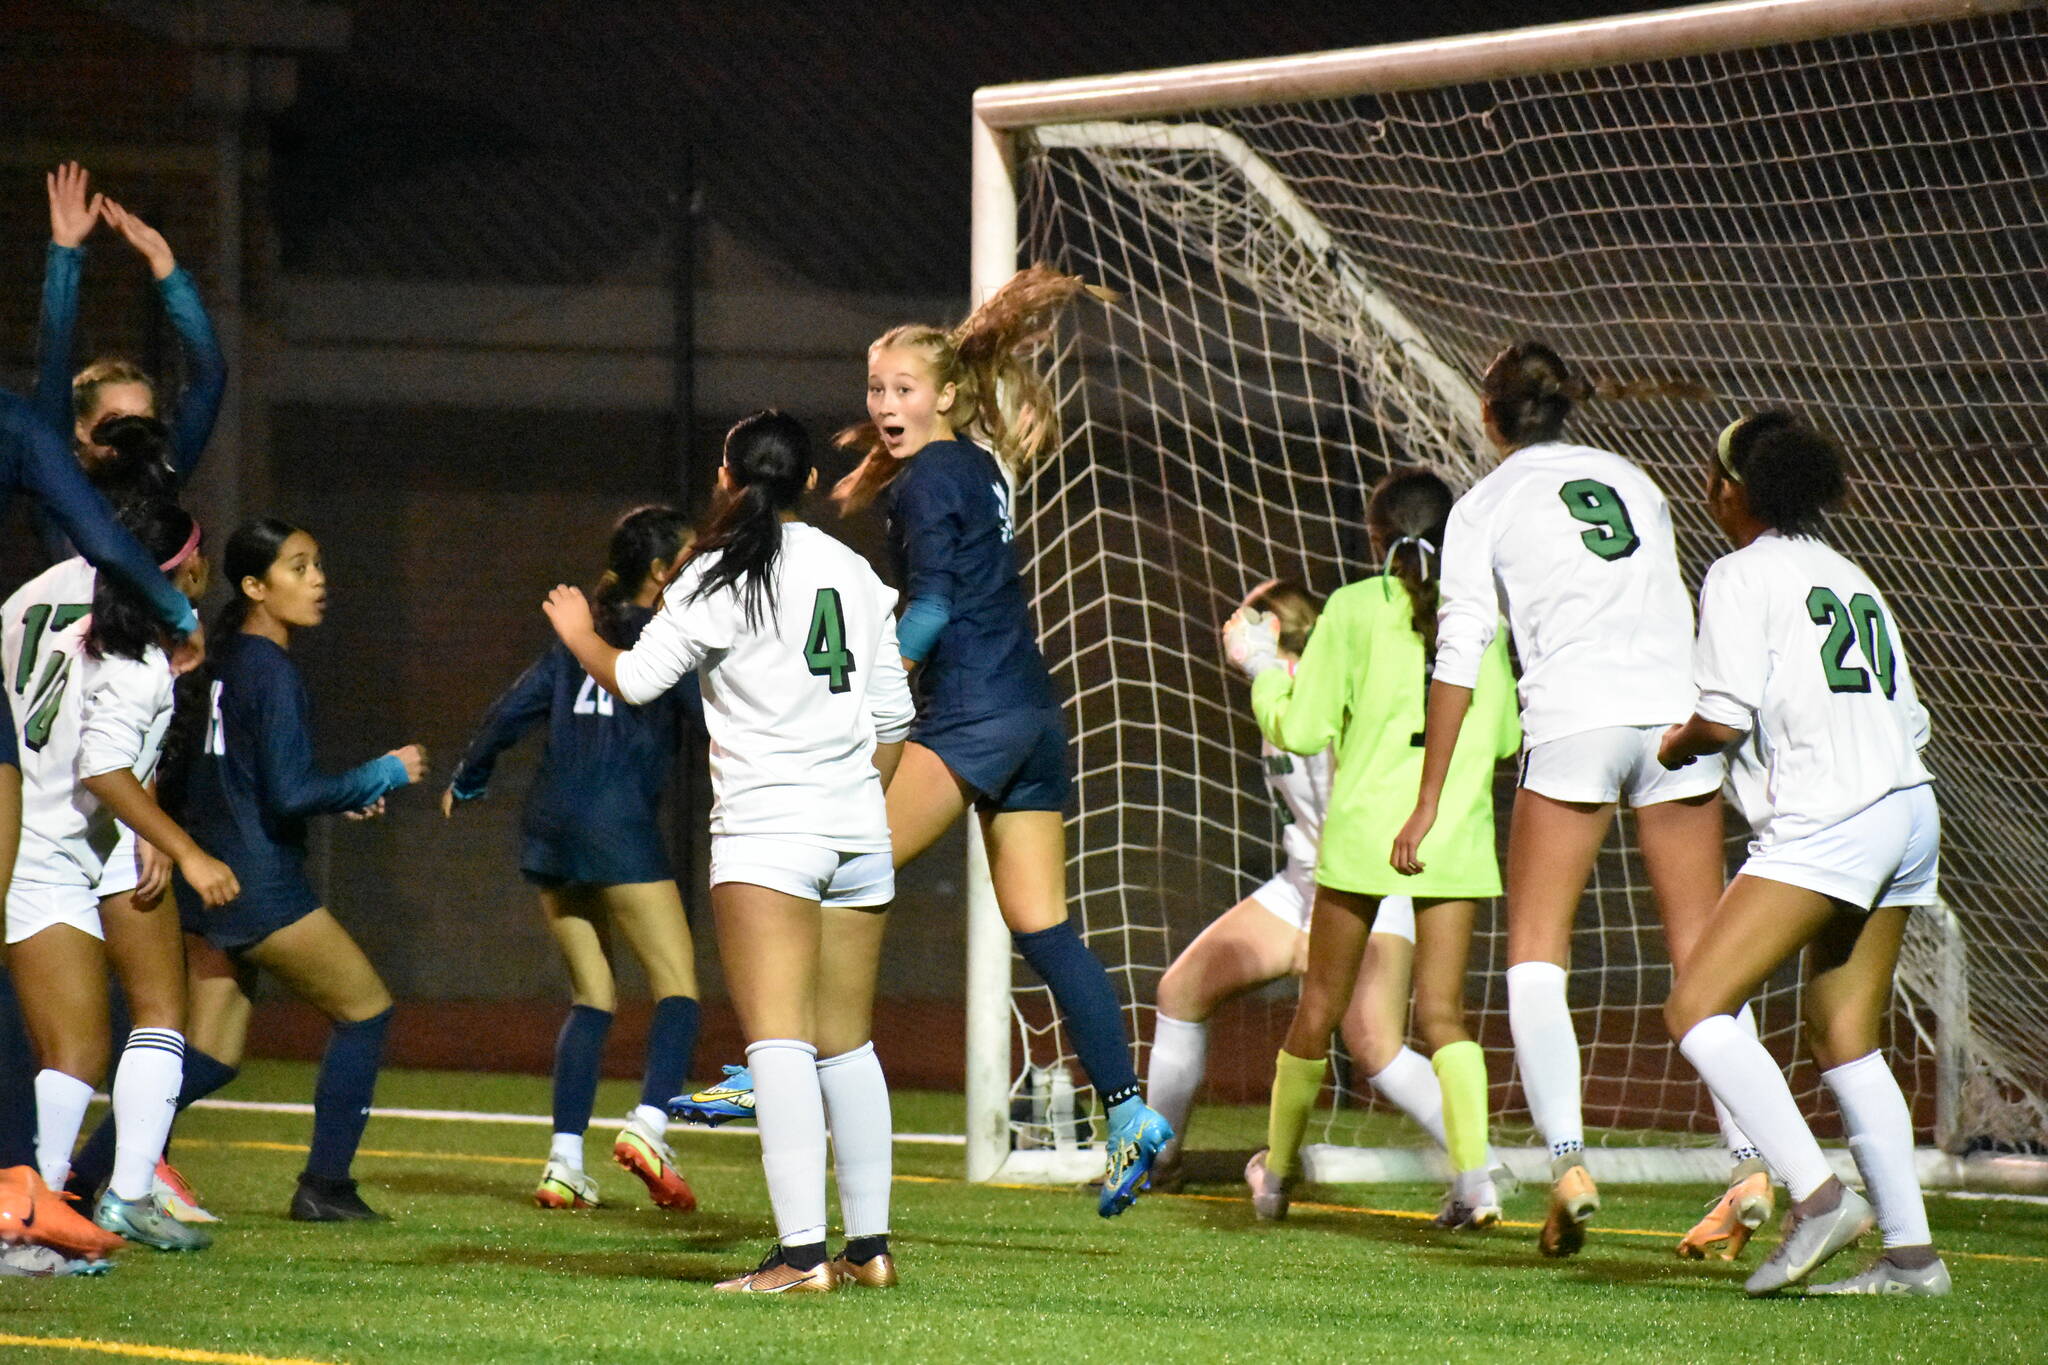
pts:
[1179, 995]
[1682, 1011]
[1839, 1036]
[1439, 1023]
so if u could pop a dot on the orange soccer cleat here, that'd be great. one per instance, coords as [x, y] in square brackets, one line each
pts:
[1573, 1200]
[1744, 1207]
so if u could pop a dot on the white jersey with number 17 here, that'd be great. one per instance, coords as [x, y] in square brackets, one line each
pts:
[1573, 546]
[794, 703]
[1797, 644]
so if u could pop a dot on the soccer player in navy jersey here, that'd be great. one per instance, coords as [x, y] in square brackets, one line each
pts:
[989, 733]
[593, 846]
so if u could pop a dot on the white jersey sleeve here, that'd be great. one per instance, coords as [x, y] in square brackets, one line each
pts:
[1729, 668]
[683, 634]
[1469, 610]
[126, 712]
[889, 703]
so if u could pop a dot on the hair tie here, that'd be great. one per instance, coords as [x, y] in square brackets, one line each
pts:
[1425, 551]
[186, 551]
[1725, 449]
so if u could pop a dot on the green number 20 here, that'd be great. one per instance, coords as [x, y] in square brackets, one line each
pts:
[1610, 533]
[825, 643]
[1860, 622]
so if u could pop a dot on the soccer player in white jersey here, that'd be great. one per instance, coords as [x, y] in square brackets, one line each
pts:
[1265, 937]
[1573, 545]
[1799, 649]
[89, 687]
[793, 640]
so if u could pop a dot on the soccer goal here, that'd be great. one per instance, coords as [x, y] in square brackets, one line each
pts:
[1832, 205]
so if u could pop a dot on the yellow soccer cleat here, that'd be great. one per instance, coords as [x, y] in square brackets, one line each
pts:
[1573, 1199]
[641, 1150]
[1745, 1206]
[562, 1186]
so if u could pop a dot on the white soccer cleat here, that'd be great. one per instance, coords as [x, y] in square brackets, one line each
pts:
[1269, 1191]
[176, 1195]
[1470, 1203]
[1810, 1241]
[1885, 1278]
[562, 1186]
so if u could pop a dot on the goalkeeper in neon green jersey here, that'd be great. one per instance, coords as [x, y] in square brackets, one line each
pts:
[1361, 685]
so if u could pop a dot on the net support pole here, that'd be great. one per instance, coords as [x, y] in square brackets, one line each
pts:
[1951, 1035]
[994, 259]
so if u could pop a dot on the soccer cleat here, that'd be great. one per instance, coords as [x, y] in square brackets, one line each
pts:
[1810, 1241]
[777, 1276]
[56, 1224]
[1573, 1199]
[732, 1098]
[322, 1200]
[1886, 1278]
[147, 1222]
[17, 1204]
[1269, 1191]
[175, 1194]
[562, 1186]
[642, 1152]
[1136, 1133]
[1744, 1207]
[1469, 1205]
[877, 1272]
[40, 1262]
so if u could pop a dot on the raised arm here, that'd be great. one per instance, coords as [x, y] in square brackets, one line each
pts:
[521, 706]
[206, 369]
[685, 632]
[72, 217]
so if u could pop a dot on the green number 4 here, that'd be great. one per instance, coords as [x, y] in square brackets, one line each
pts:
[1609, 534]
[1860, 622]
[825, 643]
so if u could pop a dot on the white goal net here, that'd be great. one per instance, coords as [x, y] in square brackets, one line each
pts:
[1848, 225]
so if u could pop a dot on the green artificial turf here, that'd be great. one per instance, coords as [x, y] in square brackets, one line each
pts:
[469, 1270]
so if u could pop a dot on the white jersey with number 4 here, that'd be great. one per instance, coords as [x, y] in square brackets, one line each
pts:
[1797, 644]
[75, 717]
[1573, 546]
[794, 705]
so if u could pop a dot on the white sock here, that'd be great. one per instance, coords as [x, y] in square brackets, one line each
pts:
[1740, 1148]
[1410, 1082]
[1546, 1053]
[567, 1148]
[1881, 1139]
[650, 1118]
[60, 1110]
[857, 1109]
[146, 1082]
[1745, 1077]
[790, 1110]
[1173, 1074]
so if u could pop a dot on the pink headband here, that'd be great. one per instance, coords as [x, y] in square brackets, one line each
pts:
[191, 545]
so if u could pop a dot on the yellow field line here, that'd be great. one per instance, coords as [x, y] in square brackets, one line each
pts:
[144, 1352]
[1409, 1215]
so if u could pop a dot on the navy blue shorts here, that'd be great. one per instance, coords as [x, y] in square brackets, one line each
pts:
[248, 919]
[1014, 761]
[581, 856]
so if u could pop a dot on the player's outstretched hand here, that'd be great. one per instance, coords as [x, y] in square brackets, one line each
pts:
[213, 879]
[369, 812]
[1251, 640]
[71, 216]
[189, 652]
[141, 236]
[1667, 750]
[568, 611]
[1406, 858]
[415, 760]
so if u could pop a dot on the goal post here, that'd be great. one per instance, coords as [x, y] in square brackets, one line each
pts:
[1815, 203]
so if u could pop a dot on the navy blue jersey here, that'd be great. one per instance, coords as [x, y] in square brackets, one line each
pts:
[950, 534]
[593, 815]
[253, 785]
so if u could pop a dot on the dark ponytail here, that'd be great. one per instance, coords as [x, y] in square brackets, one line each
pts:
[1406, 517]
[769, 458]
[249, 553]
[1790, 473]
[123, 624]
[640, 537]
[140, 465]
[1528, 391]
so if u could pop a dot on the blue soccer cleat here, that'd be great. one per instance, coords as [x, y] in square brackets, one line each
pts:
[1136, 1133]
[732, 1098]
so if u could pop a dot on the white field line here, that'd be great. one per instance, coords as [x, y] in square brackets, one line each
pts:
[531, 1120]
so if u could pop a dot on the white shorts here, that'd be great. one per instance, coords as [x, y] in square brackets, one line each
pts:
[1291, 895]
[1888, 853]
[856, 881]
[1603, 765]
[35, 906]
[121, 872]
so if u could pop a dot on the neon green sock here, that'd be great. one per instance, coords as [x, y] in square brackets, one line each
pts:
[1461, 1071]
[1296, 1083]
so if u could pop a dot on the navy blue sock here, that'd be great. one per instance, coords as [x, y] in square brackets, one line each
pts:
[579, 1055]
[17, 1083]
[94, 1164]
[342, 1095]
[1088, 1005]
[671, 1046]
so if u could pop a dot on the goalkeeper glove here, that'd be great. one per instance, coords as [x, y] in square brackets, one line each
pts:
[1252, 641]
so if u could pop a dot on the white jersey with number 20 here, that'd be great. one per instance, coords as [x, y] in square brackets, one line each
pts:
[1573, 545]
[1797, 644]
[794, 704]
